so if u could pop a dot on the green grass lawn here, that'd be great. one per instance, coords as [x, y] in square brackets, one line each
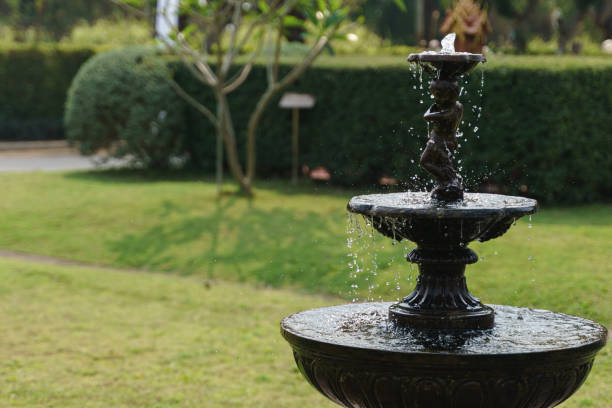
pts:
[74, 337]
[77, 337]
[287, 237]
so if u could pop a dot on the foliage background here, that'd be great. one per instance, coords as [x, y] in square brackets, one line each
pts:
[368, 124]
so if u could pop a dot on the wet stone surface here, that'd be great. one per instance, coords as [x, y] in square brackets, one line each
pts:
[517, 330]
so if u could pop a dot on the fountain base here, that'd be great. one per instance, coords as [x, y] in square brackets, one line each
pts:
[358, 358]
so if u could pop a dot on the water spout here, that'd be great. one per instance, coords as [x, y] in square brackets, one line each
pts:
[448, 44]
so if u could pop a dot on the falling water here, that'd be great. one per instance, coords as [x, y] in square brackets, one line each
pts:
[376, 266]
[472, 95]
[530, 258]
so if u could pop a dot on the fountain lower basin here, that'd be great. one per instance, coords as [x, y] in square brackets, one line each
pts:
[359, 358]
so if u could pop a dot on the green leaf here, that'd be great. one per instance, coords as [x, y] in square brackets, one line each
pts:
[311, 17]
[292, 21]
[189, 30]
[263, 6]
[321, 5]
[335, 4]
[401, 5]
[334, 19]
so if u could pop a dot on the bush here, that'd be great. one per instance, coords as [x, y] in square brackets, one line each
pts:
[33, 85]
[122, 101]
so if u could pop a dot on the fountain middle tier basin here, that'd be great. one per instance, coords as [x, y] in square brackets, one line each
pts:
[418, 218]
[358, 358]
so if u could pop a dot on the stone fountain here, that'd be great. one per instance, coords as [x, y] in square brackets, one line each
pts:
[440, 347]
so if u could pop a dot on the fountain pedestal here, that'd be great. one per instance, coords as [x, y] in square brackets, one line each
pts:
[441, 299]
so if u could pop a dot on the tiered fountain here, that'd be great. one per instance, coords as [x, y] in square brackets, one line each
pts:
[440, 347]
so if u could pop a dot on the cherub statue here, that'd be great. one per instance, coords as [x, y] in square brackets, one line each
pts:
[445, 115]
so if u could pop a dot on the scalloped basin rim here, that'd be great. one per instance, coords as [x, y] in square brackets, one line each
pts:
[418, 204]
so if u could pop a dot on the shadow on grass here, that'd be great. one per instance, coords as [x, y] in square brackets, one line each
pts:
[138, 176]
[274, 247]
[278, 185]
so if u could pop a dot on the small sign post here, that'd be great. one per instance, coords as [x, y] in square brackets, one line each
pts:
[295, 102]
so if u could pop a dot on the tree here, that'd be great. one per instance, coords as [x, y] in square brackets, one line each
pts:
[571, 13]
[220, 31]
[520, 11]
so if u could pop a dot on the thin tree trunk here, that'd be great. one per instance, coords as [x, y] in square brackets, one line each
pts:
[567, 31]
[219, 158]
[227, 129]
[265, 100]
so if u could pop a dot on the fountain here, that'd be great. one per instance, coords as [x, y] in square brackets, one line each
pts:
[440, 347]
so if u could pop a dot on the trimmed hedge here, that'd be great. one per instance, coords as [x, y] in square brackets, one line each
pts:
[544, 132]
[33, 85]
[545, 129]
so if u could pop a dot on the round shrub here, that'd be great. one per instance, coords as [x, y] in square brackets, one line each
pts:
[122, 101]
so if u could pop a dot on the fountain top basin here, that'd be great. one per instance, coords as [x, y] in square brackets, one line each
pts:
[431, 56]
[447, 65]
[415, 216]
[419, 204]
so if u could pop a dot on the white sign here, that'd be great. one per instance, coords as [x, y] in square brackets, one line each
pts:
[292, 100]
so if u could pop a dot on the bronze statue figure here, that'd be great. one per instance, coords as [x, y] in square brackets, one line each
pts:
[445, 115]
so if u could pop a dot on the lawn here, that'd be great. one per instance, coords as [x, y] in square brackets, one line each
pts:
[74, 337]
[77, 337]
[289, 237]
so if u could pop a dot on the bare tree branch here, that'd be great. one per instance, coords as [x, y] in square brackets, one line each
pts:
[300, 68]
[198, 61]
[244, 72]
[277, 50]
[236, 22]
[193, 102]
[272, 90]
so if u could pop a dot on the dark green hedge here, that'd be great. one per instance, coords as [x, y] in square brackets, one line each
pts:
[33, 86]
[545, 131]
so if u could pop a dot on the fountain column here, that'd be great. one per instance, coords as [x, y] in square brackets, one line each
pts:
[441, 299]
